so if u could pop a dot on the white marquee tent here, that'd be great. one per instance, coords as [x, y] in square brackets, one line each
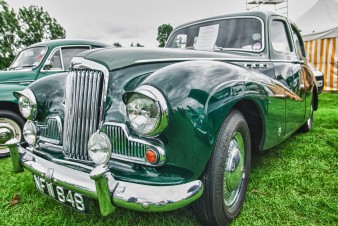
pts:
[319, 28]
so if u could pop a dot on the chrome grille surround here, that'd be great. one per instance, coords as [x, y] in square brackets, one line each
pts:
[51, 132]
[87, 84]
[127, 148]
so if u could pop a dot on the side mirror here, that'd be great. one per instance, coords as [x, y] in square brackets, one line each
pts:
[48, 65]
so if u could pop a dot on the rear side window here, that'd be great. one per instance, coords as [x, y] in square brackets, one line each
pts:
[279, 37]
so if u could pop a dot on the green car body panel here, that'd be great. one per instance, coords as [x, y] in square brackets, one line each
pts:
[273, 91]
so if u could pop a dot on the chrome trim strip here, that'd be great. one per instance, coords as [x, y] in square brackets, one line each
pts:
[121, 156]
[192, 59]
[20, 81]
[228, 18]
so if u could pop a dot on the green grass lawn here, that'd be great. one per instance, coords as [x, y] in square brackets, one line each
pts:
[295, 183]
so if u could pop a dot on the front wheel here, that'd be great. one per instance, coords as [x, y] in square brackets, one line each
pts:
[226, 175]
[309, 123]
[11, 125]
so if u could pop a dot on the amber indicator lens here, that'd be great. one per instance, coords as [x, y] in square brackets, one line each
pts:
[151, 156]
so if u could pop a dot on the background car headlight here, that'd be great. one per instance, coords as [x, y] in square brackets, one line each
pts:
[30, 133]
[147, 111]
[27, 104]
[99, 148]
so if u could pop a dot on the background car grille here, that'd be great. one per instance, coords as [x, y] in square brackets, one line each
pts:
[122, 147]
[83, 102]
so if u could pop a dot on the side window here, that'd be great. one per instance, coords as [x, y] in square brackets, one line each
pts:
[69, 52]
[56, 61]
[279, 37]
[299, 45]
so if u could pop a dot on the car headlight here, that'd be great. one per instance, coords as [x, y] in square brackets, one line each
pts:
[99, 148]
[27, 103]
[147, 110]
[30, 132]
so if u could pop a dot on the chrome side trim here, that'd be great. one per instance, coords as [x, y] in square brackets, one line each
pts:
[192, 59]
[130, 145]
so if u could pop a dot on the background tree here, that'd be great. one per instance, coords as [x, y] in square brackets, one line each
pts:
[37, 25]
[117, 44]
[139, 45]
[163, 33]
[28, 26]
[8, 28]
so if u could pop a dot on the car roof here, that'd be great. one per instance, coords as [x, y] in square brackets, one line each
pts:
[264, 15]
[61, 42]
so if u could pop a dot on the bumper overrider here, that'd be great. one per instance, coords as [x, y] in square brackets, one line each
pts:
[100, 185]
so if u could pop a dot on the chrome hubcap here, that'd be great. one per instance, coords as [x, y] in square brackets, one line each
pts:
[234, 170]
[8, 129]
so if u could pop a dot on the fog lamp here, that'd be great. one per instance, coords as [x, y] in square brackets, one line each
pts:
[99, 148]
[30, 132]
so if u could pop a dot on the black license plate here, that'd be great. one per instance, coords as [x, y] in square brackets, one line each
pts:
[60, 194]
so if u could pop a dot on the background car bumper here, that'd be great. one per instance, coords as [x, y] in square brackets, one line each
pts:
[101, 185]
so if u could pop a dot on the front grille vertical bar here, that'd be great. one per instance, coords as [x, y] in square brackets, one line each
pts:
[80, 138]
[74, 118]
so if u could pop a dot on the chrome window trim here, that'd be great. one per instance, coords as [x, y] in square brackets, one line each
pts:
[228, 18]
[60, 48]
[161, 151]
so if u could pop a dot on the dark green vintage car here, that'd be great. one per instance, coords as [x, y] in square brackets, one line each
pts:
[32, 63]
[159, 129]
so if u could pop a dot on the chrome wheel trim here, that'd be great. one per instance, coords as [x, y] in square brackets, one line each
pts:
[234, 170]
[309, 120]
[8, 129]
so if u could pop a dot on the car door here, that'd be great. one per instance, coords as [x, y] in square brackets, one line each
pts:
[60, 58]
[288, 71]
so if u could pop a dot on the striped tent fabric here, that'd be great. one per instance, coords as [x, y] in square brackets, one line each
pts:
[322, 53]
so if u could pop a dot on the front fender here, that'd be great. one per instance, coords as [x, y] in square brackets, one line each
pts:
[49, 93]
[200, 94]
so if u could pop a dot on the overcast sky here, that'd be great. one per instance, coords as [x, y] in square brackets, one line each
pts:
[128, 21]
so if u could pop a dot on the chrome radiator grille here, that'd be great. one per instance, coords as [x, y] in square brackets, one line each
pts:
[82, 113]
[122, 147]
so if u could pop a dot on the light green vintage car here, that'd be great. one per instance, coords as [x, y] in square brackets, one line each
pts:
[34, 62]
[159, 129]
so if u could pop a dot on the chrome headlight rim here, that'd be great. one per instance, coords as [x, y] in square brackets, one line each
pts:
[27, 93]
[106, 142]
[155, 95]
[33, 130]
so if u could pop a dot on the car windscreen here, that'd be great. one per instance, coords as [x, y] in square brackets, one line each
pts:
[245, 34]
[29, 58]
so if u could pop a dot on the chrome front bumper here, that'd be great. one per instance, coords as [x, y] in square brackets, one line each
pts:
[101, 185]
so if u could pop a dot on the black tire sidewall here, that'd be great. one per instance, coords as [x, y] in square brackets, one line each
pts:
[235, 122]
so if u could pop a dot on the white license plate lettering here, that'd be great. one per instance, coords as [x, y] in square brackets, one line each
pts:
[79, 202]
[59, 193]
